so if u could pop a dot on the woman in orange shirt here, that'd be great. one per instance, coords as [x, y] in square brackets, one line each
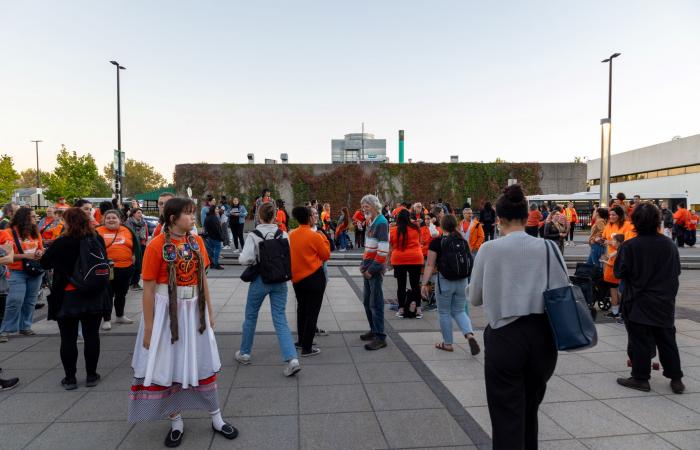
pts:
[358, 219]
[341, 232]
[534, 217]
[406, 258]
[124, 250]
[282, 216]
[616, 225]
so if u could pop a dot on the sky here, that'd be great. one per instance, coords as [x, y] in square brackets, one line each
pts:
[211, 81]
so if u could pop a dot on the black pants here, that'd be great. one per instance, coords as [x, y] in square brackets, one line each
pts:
[691, 237]
[118, 288]
[520, 359]
[69, 343]
[488, 232]
[237, 231]
[136, 275]
[309, 293]
[532, 231]
[359, 238]
[642, 341]
[412, 272]
[681, 233]
[571, 232]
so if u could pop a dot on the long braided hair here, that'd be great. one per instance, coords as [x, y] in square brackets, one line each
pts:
[174, 208]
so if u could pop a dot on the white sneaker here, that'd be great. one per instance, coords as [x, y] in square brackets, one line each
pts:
[227, 247]
[242, 358]
[106, 325]
[292, 368]
[124, 320]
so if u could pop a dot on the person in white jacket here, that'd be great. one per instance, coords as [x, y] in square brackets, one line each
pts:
[257, 292]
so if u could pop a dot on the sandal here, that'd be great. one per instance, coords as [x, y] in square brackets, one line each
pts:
[444, 347]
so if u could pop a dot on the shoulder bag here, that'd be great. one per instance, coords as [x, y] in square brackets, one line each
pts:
[30, 267]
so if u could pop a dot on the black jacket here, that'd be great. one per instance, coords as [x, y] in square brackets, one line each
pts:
[212, 227]
[488, 218]
[667, 218]
[649, 267]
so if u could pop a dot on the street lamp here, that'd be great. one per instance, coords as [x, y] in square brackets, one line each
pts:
[119, 136]
[606, 136]
[38, 177]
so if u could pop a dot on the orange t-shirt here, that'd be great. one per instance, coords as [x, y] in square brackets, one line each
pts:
[120, 245]
[309, 250]
[411, 253]
[397, 210]
[326, 219]
[608, 274]
[534, 218]
[155, 268]
[158, 230]
[29, 246]
[281, 219]
[48, 226]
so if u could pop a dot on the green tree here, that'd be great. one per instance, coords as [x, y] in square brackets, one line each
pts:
[8, 178]
[74, 177]
[139, 177]
[27, 178]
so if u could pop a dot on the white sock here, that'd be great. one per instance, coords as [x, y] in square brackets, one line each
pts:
[217, 420]
[616, 309]
[176, 423]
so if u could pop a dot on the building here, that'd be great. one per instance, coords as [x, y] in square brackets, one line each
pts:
[33, 197]
[358, 147]
[672, 166]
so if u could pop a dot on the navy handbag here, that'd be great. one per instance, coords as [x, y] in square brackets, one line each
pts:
[568, 314]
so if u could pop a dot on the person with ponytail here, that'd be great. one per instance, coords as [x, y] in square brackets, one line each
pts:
[510, 274]
[176, 359]
[406, 257]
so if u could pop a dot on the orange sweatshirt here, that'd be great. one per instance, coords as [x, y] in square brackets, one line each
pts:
[309, 250]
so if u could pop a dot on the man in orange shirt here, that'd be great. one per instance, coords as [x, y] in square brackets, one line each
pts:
[572, 220]
[681, 220]
[472, 231]
[61, 203]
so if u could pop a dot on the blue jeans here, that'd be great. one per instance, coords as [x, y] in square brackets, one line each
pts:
[343, 240]
[451, 301]
[20, 301]
[214, 250]
[278, 302]
[597, 251]
[374, 305]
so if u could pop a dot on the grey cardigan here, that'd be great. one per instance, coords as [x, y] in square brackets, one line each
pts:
[510, 276]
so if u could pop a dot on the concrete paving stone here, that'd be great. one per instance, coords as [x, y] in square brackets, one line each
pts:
[108, 359]
[48, 344]
[619, 342]
[430, 353]
[353, 325]
[631, 442]
[17, 436]
[333, 399]
[405, 325]
[421, 338]
[263, 376]
[400, 396]
[600, 347]
[96, 406]
[261, 433]
[328, 374]
[228, 342]
[352, 339]
[690, 356]
[548, 429]
[331, 355]
[18, 343]
[50, 381]
[347, 431]
[567, 444]
[331, 341]
[197, 435]
[590, 419]
[612, 361]
[26, 377]
[685, 440]
[657, 413]
[351, 307]
[262, 401]
[683, 340]
[691, 401]
[432, 427]
[468, 392]
[351, 316]
[387, 371]
[116, 380]
[610, 330]
[465, 369]
[122, 343]
[662, 385]
[32, 360]
[559, 390]
[36, 407]
[603, 386]
[687, 324]
[387, 354]
[81, 435]
[575, 364]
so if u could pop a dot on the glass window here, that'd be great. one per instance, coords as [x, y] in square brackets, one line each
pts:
[676, 171]
[693, 169]
[652, 174]
[642, 176]
[663, 173]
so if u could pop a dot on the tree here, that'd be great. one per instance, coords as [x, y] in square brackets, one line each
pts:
[139, 177]
[8, 178]
[578, 159]
[75, 177]
[27, 178]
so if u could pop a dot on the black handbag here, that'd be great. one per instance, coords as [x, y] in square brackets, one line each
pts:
[30, 267]
[572, 325]
[250, 273]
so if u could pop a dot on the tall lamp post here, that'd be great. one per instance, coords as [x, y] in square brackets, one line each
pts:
[606, 134]
[119, 137]
[38, 176]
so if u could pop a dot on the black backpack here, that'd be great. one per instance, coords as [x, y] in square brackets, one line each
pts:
[91, 271]
[455, 259]
[275, 264]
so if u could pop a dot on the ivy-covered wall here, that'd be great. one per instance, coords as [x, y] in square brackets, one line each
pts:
[344, 185]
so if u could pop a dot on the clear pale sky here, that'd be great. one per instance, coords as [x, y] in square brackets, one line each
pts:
[212, 81]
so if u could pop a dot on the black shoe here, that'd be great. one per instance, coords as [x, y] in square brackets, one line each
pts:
[218, 267]
[39, 305]
[677, 386]
[611, 315]
[228, 431]
[473, 346]
[298, 345]
[375, 344]
[92, 380]
[633, 383]
[6, 385]
[174, 438]
[314, 351]
[69, 384]
[368, 336]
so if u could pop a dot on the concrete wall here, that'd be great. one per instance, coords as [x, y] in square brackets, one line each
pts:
[563, 178]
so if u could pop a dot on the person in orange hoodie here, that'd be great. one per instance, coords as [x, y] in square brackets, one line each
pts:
[309, 250]
[282, 218]
[472, 231]
[358, 219]
[681, 221]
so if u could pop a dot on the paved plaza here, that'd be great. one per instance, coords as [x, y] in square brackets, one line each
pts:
[408, 395]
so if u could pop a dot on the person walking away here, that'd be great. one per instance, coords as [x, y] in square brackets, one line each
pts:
[309, 250]
[488, 219]
[176, 359]
[79, 294]
[6, 257]
[124, 250]
[372, 269]
[263, 199]
[508, 279]
[450, 255]
[214, 237]
[616, 225]
[571, 220]
[596, 239]
[406, 259]
[534, 217]
[140, 229]
[681, 219]
[692, 229]
[649, 266]
[282, 216]
[358, 220]
[342, 230]
[237, 215]
[25, 273]
[667, 220]
[258, 290]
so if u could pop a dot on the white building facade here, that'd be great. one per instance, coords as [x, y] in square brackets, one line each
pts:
[672, 166]
[358, 147]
